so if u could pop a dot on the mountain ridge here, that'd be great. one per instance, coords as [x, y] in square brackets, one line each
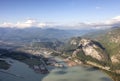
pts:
[29, 34]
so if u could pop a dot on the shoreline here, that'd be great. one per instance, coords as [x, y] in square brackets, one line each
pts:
[59, 60]
[106, 71]
[11, 74]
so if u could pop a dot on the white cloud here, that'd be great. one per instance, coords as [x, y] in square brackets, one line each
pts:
[22, 25]
[6, 24]
[81, 25]
[104, 24]
[42, 25]
[30, 21]
[26, 24]
[97, 7]
[113, 21]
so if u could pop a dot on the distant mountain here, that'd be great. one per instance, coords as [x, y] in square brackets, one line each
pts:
[34, 33]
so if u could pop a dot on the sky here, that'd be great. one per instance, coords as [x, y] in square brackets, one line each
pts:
[71, 14]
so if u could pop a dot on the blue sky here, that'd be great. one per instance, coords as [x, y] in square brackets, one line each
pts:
[60, 11]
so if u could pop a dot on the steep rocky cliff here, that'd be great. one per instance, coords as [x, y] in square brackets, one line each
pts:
[110, 40]
[102, 51]
[90, 48]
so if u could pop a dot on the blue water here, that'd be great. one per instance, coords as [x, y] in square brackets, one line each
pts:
[76, 73]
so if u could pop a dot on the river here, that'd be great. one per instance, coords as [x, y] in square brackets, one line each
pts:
[21, 72]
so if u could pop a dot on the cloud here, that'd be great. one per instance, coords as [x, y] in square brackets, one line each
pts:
[101, 25]
[114, 21]
[30, 21]
[80, 25]
[26, 24]
[97, 7]
[6, 24]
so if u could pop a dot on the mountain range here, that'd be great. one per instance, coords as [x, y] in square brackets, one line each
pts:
[39, 34]
[100, 49]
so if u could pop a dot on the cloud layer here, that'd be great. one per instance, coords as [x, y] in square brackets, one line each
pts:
[26, 24]
[81, 25]
[114, 22]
